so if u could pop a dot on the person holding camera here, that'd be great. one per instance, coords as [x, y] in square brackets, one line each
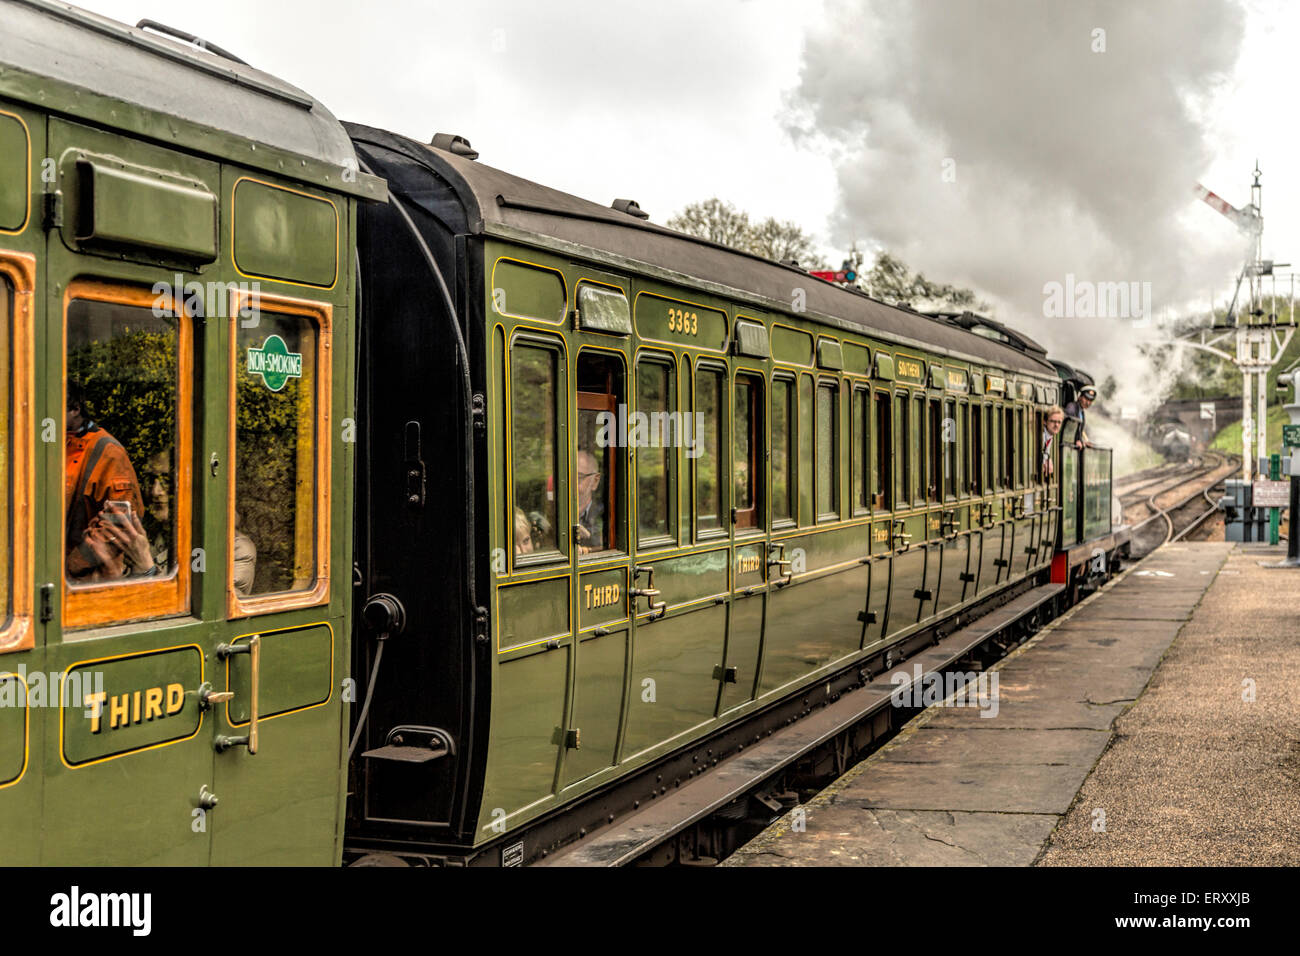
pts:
[103, 534]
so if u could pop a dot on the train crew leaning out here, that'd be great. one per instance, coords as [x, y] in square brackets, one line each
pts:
[1055, 419]
[105, 539]
[1078, 409]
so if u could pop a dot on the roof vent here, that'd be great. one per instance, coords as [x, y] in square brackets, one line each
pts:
[454, 144]
[630, 207]
[792, 263]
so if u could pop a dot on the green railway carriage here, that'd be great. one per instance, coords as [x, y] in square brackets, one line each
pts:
[607, 501]
[699, 484]
[176, 261]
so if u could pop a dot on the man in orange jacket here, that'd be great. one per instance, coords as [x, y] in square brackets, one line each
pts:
[104, 537]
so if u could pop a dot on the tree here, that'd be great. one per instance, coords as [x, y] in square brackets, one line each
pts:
[891, 281]
[780, 241]
[721, 222]
[715, 220]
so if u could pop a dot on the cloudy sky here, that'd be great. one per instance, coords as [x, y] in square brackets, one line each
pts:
[839, 114]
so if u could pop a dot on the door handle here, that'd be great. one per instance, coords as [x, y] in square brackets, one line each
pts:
[254, 651]
[776, 559]
[657, 608]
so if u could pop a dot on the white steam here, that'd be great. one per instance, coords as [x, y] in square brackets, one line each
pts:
[1006, 144]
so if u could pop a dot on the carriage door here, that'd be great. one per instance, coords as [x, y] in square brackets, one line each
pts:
[117, 500]
[282, 654]
[749, 556]
[601, 553]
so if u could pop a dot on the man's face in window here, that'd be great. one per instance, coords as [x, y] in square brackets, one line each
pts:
[588, 478]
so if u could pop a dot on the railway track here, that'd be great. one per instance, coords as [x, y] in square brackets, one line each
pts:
[1172, 505]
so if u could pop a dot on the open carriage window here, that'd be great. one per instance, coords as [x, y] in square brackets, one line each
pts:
[601, 452]
[278, 532]
[748, 465]
[126, 455]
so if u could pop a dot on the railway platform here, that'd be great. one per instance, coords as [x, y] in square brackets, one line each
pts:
[1154, 724]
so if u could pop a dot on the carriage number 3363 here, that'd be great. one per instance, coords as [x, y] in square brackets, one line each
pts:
[687, 323]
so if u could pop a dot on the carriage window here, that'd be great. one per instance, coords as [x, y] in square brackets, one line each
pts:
[747, 470]
[881, 492]
[655, 457]
[993, 470]
[1022, 459]
[975, 472]
[902, 452]
[281, 454]
[533, 433]
[709, 466]
[934, 486]
[6, 452]
[917, 450]
[782, 447]
[1008, 448]
[1039, 428]
[599, 475]
[860, 451]
[949, 449]
[828, 451]
[126, 501]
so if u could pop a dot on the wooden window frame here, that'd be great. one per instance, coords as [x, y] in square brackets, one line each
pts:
[606, 401]
[661, 360]
[750, 519]
[98, 605]
[323, 314]
[18, 634]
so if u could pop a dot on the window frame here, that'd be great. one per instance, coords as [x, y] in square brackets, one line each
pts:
[790, 381]
[616, 490]
[934, 488]
[757, 512]
[879, 474]
[323, 314]
[860, 436]
[723, 478]
[18, 633]
[99, 605]
[558, 348]
[664, 361]
[832, 385]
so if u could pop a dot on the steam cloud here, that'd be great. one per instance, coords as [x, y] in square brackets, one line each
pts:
[1066, 159]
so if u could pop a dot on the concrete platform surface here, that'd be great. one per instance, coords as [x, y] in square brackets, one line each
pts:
[983, 785]
[1204, 769]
